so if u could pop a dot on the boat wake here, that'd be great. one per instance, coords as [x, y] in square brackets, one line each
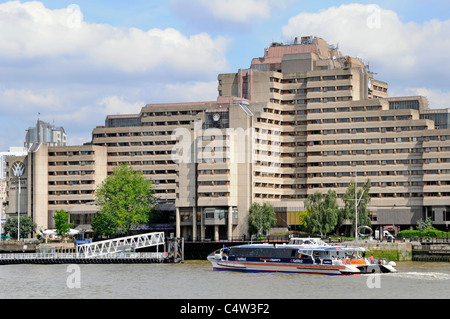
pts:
[430, 276]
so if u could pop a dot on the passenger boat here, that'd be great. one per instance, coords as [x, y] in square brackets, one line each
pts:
[300, 255]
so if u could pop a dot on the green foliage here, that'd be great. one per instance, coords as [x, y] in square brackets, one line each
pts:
[261, 218]
[126, 199]
[27, 226]
[302, 221]
[389, 254]
[62, 224]
[422, 234]
[425, 229]
[322, 212]
[425, 225]
[349, 204]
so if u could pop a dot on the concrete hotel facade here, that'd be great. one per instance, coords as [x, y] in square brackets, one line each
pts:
[55, 178]
[193, 159]
[300, 119]
[316, 120]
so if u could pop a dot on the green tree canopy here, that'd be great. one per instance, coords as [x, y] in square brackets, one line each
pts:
[62, 224]
[322, 212]
[425, 225]
[27, 226]
[363, 198]
[261, 218]
[126, 199]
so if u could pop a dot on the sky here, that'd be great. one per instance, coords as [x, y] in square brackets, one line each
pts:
[71, 63]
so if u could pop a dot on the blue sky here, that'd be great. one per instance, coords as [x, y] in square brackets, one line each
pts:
[74, 62]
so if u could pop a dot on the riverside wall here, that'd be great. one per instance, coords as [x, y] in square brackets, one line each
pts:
[17, 248]
[397, 251]
[406, 251]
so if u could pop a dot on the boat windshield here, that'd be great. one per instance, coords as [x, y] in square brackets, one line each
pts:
[307, 241]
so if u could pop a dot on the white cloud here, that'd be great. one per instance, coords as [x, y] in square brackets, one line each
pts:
[16, 101]
[238, 10]
[118, 105]
[29, 31]
[229, 12]
[405, 54]
[75, 73]
[190, 91]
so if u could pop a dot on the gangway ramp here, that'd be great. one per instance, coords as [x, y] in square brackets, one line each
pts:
[117, 245]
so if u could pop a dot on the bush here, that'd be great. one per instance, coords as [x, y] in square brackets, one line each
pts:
[421, 234]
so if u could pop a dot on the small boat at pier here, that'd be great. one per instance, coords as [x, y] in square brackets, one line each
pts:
[300, 255]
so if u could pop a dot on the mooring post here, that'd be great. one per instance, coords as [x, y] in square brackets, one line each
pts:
[182, 249]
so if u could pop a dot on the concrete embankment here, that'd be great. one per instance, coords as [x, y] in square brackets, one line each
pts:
[406, 251]
[431, 252]
[34, 247]
[17, 248]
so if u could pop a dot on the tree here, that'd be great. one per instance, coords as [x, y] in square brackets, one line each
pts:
[301, 221]
[261, 218]
[27, 226]
[62, 224]
[126, 199]
[425, 225]
[322, 212]
[362, 195]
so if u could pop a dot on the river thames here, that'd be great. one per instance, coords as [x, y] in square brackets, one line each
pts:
[197, 280]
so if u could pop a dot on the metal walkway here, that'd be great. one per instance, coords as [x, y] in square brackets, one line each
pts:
[71, 258]
[112, 246]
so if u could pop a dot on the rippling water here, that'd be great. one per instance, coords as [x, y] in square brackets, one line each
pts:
[197, 280]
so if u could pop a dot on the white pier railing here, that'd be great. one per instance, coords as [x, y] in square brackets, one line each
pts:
[116, 245]
[73, 256]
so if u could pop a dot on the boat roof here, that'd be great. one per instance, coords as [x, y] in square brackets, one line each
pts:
[305, 247]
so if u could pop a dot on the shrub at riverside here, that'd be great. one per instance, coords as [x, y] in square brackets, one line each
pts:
[421, 234]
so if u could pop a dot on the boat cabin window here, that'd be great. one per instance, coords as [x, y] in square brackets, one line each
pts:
[306, 241]
[305, 252]
[262, 252]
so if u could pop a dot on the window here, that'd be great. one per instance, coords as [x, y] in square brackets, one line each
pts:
[446, 215]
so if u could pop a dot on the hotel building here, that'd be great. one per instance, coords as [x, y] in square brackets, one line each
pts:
[55, 178]
[302, 118]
